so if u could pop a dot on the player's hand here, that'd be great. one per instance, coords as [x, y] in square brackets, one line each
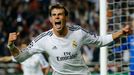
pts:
[127, 30]
[12, 37]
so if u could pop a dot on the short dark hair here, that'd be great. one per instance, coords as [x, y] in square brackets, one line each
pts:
[58, 6]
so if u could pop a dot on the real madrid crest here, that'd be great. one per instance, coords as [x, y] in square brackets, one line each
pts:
[74, 44]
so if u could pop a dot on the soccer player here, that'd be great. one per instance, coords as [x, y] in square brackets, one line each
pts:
[62, 43]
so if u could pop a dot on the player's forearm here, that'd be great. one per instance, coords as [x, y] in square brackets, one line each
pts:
[117, 34]
[5, 59]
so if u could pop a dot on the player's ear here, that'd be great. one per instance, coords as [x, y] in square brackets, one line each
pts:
[50, 19]
[67, 18]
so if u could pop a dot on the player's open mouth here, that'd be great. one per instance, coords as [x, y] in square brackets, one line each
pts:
[58, 24]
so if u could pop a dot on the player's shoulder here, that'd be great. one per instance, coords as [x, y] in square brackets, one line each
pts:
[74, 27]
[46, 33]
[43, 34]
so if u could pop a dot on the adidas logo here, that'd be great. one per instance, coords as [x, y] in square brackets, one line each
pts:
[54, 47]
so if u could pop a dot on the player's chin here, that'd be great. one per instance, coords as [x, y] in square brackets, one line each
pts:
[59, 30]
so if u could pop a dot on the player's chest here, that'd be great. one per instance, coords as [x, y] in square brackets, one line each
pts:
[63, 46]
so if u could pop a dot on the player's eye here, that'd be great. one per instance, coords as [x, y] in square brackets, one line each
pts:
[53, 15]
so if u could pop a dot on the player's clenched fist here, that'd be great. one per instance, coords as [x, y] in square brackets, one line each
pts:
[12, 37]
[127, 29]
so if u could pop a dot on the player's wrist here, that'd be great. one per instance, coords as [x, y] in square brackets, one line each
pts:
[10, 46]
[121, 32]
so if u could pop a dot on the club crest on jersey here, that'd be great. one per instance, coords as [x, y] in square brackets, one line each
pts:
[74, 44]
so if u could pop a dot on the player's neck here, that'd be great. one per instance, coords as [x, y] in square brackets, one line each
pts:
[62, 33]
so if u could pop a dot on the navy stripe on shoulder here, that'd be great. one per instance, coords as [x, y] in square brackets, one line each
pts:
[77, 27]
[85, 30]
[74, 27]
[48, 33]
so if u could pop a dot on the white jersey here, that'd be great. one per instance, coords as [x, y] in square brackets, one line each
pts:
[34, 65]
[64, 52]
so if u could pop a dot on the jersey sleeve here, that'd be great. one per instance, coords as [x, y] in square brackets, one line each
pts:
[43, 61]
[89, 38]
[13, 59]
[36, 46]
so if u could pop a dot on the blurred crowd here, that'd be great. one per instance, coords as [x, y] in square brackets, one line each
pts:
[31, 17]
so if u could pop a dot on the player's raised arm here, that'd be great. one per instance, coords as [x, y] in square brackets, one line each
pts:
[11, 39]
